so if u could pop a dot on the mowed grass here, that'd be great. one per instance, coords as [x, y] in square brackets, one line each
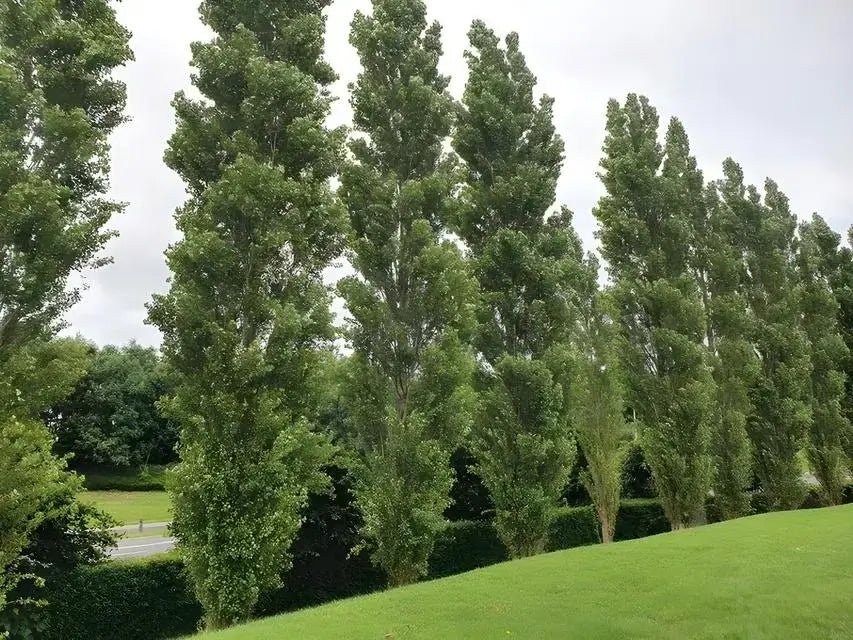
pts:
[782, 575]
[129, 507]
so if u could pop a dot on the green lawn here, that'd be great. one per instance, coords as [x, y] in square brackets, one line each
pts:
[129, 507]
[783, 575]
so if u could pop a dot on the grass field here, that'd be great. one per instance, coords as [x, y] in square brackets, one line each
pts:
[781, 575]
[129, 507]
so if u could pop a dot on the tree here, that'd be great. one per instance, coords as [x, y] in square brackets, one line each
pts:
[780, 393]
[830, 429]
[597, 403]
[34, 485]
[526, 264]
[247, 313]
[59, 107]
[410, 300]
[645, 227]
[112, 417]
[721, 274]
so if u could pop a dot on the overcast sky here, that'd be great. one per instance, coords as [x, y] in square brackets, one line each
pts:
[769, 82]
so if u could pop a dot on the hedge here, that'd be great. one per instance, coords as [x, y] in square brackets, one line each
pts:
[133, 600]
[116, 479]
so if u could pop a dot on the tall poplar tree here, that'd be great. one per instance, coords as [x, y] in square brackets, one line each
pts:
[646, 231]
[597, 400]
[247, 310]
[58, 105]
[721, 273]
[830, 429]
[526, 264]
[410, 301]
[780, 393]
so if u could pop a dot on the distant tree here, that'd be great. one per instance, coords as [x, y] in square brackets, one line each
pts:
[247, 313]
[597, 404]
[830, 429]
[59, 105]
[721, 274]
[526, 263]
[780, 393]
[112, 416]
[408, 395]
[646, 232]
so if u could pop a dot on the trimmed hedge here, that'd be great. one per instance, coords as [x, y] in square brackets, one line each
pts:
[130, 479]
[134, 600]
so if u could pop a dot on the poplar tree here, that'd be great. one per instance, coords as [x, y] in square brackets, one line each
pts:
[721, 273]
[58, 105]
[411, 299]
[526, 264]
[646, 232]
[247, 312]
[597, 397]
[780, 392]
[830, 429]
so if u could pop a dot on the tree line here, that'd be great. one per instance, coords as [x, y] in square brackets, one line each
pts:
[476, 321]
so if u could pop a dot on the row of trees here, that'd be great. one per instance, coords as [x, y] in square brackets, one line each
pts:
[475, 319]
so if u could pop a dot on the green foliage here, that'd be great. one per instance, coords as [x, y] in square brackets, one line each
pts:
[830, 429]
[722, 274]
[646, 231]
[637, 479]
[526, 264]
[70, 533]
[408, 389]
[402, 493]
[841, 280]
[29, 475]
[777, 426]
[247, 312]
[523, 453]
[59, 106]
[33, 483]
[597, 404]
[111, 418]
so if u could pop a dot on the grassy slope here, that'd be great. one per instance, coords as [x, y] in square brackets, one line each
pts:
[782, 575]
[129, 507]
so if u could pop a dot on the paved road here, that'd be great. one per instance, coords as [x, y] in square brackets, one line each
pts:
[141, 547]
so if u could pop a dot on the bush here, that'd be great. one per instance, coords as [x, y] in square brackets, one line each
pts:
[137, 600]
[123, 479]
